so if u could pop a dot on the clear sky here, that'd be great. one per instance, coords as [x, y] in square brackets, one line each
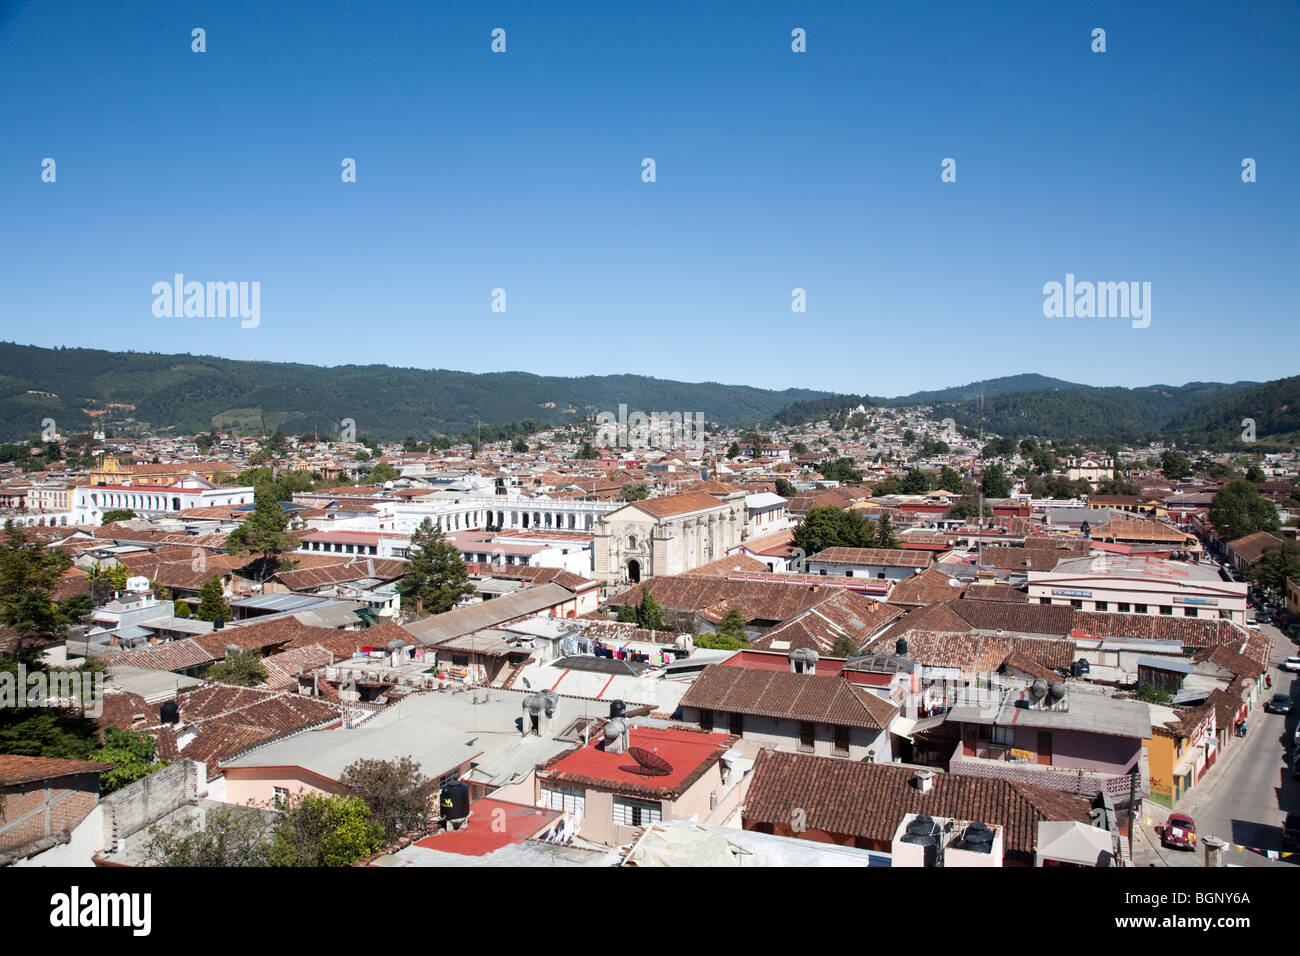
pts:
[775, 170]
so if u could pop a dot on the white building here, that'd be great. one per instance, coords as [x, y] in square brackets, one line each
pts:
[89, 502]
[1135, 584]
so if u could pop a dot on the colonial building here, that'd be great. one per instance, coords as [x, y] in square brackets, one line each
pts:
[669, 535]
[113, 472]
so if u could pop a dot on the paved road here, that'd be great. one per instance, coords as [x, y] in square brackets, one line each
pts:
[1248, 792]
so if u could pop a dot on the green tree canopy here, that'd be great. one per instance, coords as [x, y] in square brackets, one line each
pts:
[265, 531]
[398, 794]
[29, 573]
[436, 575]
[244, 668]
[320, 831]
[1238, 509]
[212, 601]
[117, 514]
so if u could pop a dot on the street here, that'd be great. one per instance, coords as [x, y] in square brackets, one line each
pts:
[1245, 797]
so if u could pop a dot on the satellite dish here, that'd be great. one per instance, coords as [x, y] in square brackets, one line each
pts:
[649, 763]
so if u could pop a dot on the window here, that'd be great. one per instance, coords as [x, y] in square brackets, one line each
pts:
[1124, 607]
[281, 799]
[1190, 612]
[841, 740]
[636, 813]
[1166, 609]
[1102, 606]
[1139, 608]
[1077, 604]
[572, 801]
[1004, 736]
[706, 721]
[807, 734]
[738, 724]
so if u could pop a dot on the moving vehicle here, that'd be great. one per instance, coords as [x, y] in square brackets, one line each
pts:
[1279, 704]
[1178, 832]
[1291, 664]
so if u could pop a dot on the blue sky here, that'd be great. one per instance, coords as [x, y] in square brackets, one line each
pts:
[775, 170]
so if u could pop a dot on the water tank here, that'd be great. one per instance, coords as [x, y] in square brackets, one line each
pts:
[923, 825]
[396, 644]
[617, 708]
[218, 624]
[534, 703]
[169, 712]
[615, 728]
[455, 801]
[137, 584]
[552, 700]
[1038, 689]
[1057, 691]
[900, 647]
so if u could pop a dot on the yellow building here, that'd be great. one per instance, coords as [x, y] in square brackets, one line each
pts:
[110, 471]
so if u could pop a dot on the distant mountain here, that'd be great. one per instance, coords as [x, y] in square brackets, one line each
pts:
[1023, 405]
[1029, 382]
[83, 389]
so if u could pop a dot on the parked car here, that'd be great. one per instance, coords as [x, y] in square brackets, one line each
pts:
[1291, 664]
[1291, 832]
[1279, 704]
[1179, 832]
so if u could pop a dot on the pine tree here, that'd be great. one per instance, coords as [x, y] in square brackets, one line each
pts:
[212, 601]
[28, 575]
[885, 533]
[264, 531]
[436, 576]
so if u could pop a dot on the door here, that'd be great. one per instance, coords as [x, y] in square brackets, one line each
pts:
[1045, 747]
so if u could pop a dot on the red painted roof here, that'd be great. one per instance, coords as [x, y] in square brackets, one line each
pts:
[685, 750]
[492, 824]
[780, 661]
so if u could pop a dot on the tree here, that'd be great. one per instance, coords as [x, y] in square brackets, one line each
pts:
[720, 642]
[1150, 694]
[28, 574]
[264, 531]
[844, 646]
[1275, 566]
[222, 836]
[733, 451]
[397, 793]
[436, 575]
[1238, 509]
[586, 453]
[134, 755]
[650, 614]
[915, 482]
[841, 470]
[1175, 465]
[212, 601]
[733, 625]
[316, 831]
[995, 483]
[117, 514]
[520, 446]
[819, 530]
[243, 668]
[1255, 474]
[383, 472]
[885, 533]
[633, 492]
[785, 489]
[949, 480]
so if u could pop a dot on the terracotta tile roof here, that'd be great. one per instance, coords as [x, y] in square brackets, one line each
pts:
[844, 614]
[1252, 547]
[282, 669]
[995, 592]
[785, 695]
[929, 587]
[670, 505]
[15, 769]
[887, 557]
[306, 579]
[761, 600]
[868, 801]
[1022, 559]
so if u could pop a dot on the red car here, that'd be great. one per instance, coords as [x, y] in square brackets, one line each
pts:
[1178, 832]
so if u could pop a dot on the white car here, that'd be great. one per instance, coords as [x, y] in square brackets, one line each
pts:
[1291, 664]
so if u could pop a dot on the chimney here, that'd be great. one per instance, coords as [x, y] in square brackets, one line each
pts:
[925, 780]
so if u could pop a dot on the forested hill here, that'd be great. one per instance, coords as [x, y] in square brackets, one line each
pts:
[1200, 412]
[87, 388]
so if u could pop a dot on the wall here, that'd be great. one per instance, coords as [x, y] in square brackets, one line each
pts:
[36, 810]
[148, 799]
[784, 735]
